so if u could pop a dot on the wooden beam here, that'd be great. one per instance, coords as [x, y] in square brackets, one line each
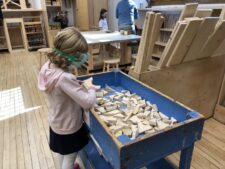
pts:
[214, 41]
[188, 11]
[202, 13]
[184, 42]
[23, 4]
[175, 36]
[158, 21]
[206, 29]
[142, 50]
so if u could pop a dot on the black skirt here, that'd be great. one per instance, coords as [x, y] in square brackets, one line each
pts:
[70, 143]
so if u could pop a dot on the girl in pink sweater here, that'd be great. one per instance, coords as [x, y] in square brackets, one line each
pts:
[67, 96]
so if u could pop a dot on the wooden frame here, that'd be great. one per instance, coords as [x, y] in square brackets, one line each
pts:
[219, 114]
[22, 4]
[23, 33]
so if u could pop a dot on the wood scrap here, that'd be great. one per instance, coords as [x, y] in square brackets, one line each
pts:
[206, 29]
[175, 36]
[137, 116]
[188, 11]
[144, 43]
[184, 42]
[214, 41]
[202, 13]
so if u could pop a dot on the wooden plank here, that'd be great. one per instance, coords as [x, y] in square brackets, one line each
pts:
[219, 114]
[175, 36]
[206, 29]
[184, 42]
[143, 47]
[23, 4]
[158, 20]
[188, 11]
[214, 41]
[221, 98]
[202, 13]
[188, 78]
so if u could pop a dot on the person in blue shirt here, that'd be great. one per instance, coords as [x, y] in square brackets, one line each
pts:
[126, 13]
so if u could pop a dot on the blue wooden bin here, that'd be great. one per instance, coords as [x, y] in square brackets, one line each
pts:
[149, 148]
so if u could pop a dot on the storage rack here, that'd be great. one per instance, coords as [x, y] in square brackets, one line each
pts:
[34, 32]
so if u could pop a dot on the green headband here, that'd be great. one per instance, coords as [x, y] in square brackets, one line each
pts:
[70, 58]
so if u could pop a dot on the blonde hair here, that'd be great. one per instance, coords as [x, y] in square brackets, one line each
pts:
[70, 41]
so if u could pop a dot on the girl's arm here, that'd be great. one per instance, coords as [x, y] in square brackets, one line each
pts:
[85, 98]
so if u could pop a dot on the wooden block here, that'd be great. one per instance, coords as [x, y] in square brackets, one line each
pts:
[158, 21]
[219, 114]
[189, 10]
[142, 50]
[206, 29]
[202, 13]
[135, 131]
[142, 128]
[184, 42]
[214, 41]
[112, 113]
[175, 36]
[127, 131]
[161, 125]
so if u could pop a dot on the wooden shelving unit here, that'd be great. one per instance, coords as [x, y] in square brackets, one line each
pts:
[3, 44]
[34, 32]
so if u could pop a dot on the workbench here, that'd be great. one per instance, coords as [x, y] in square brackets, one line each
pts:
[105, 151]
[102, 38]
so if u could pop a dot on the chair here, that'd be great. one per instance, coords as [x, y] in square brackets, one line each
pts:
[113, 60]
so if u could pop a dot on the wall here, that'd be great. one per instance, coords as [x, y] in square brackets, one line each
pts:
[112, 21]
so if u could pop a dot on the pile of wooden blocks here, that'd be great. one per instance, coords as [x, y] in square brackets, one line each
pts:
[128, 114]
[195, 36]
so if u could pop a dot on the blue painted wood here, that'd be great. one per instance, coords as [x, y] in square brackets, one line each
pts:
[109, 148]
[93, 160]
[185, 157]
[147, 149]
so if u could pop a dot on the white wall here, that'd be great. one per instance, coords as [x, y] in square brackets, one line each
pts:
[112, 21]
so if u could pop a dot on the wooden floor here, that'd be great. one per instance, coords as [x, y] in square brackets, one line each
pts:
[24, 127]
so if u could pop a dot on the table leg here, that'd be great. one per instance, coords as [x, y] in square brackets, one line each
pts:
[185, 157]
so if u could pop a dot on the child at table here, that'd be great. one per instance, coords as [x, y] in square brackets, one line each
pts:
[67, 96]
[103, 25]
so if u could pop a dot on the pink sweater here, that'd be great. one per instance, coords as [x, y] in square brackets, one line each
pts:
[67, 98]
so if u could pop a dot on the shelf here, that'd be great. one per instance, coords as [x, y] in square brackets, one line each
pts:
[22, 10]
[36, 47]
[166, 29]
[53, 6]
[33, 33]
[160, 43]
[2, 37]
[32, 23]
[156, 56]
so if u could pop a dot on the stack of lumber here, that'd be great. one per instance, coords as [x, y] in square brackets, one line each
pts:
[196, 35]
[152, 25]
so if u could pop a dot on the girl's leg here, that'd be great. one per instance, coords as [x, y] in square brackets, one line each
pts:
[68, 161]
[60, 159]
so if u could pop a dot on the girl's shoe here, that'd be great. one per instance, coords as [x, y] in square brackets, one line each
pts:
[76, 166]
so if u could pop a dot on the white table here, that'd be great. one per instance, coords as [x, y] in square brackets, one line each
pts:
[101, 37]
